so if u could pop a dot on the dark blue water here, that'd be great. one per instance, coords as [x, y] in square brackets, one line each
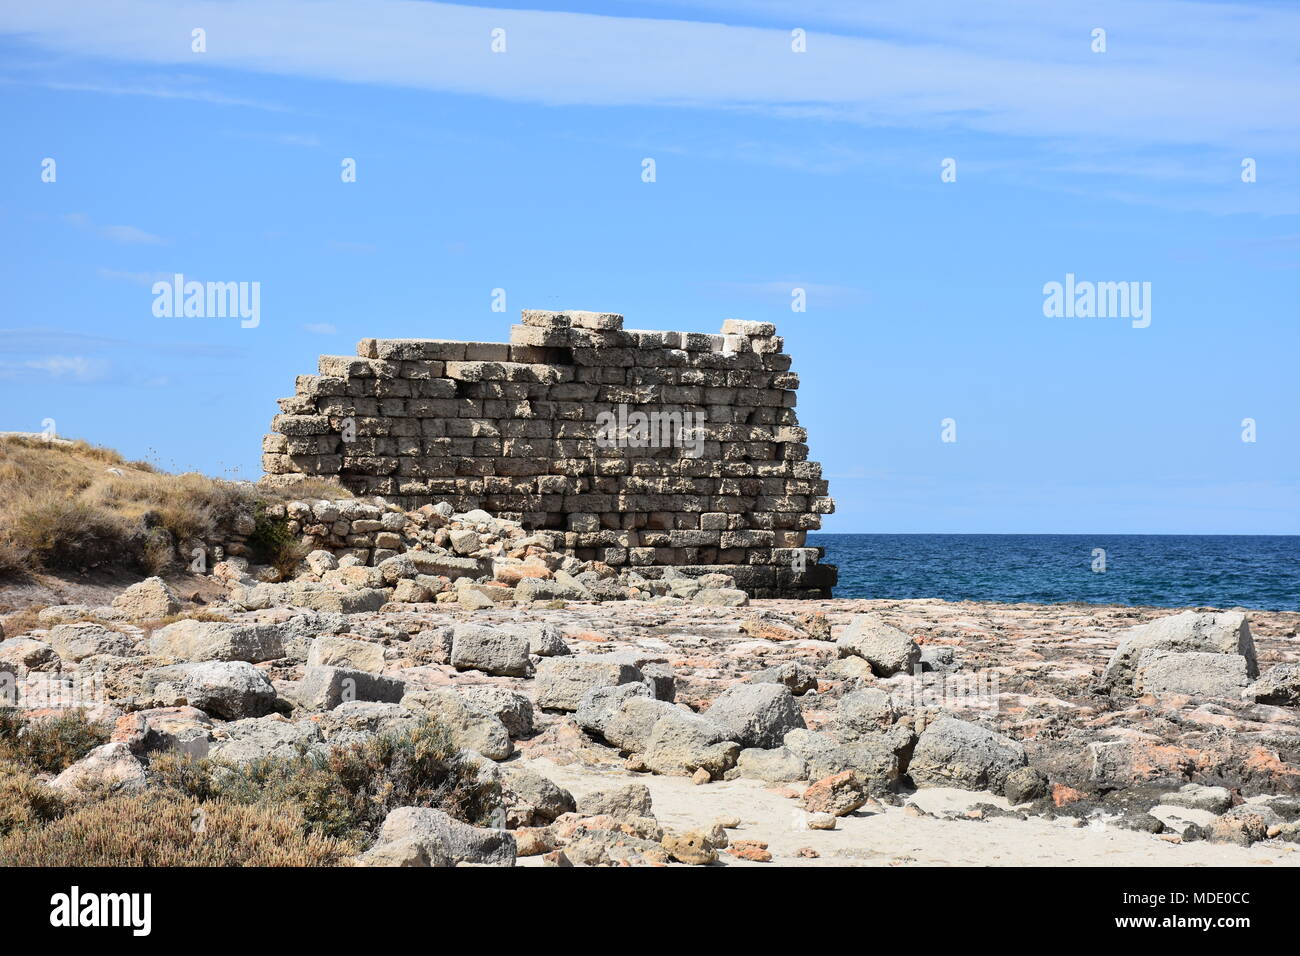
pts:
[1255, 571]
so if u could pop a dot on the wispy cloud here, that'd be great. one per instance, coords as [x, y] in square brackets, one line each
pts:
[1175, 73]
[131, 235]
[18, 341]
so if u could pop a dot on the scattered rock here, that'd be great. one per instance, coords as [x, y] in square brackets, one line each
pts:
[887, 649]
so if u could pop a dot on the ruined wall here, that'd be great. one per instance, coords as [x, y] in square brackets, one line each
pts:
[649, 449]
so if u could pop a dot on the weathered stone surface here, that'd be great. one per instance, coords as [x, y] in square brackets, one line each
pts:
[231, 690]
[76, 642]
[562, 681]
[681, 743]
[865, 711]
[628, 800]
[25, 654]
[1220, 632]
[445, 840]
[150, 600]
[887, 649]
[488, 649]
[1196, 673]
[1025, 784]
[957, 753]
[330, 650]
[469, 726]
[1243, 825]
[1279, 685]
[777, 765]
[243, 741]
[324, 688]
[513, 709]
[217, 641]
[600, 705]
[839, 795]
[532, 799]
[1195, 796]
[110, 768]
[756, 715]
[692, 847]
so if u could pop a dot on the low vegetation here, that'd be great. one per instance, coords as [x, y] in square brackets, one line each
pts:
[72, 506]
[48, 744]
[313, 809]
[155, 829]
[346, 792]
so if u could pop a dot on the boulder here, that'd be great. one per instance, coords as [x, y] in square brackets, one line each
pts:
[470, 727]
[794, 675]
[682, 742]
[26, 654]
[756, 715]
[628, 800]
[692, 847]
[887, 649]
[600, 705]
[562, 681]
[231, 690]
[150, 600]
[110, 768]
[330, 650]
[191, 640]
[629, 729]
[1193, 672]
[257, 738]
[1278, 685]
[778, 765]
[532, 799]
[839, 795]
[1244, 824]
[1194, 796]
[324, 688]
[957, 753]
[1025, 784]
[76, 642]
[721, 597]
[489, 649]
[865, 711]
[446, 841]
[513, 709]
[1217, 632]
[544, 640]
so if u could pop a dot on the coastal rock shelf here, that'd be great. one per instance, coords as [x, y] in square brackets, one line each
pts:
[645, 449]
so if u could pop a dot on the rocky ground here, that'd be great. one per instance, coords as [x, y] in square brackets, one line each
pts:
[674, 723]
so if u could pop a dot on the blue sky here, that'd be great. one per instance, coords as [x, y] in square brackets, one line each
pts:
[775, 170]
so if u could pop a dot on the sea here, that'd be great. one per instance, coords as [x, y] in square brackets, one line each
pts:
[1249, 571]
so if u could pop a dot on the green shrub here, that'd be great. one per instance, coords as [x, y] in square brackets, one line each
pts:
[273, 543]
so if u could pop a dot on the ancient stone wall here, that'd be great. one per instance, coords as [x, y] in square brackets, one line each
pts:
[648, 449]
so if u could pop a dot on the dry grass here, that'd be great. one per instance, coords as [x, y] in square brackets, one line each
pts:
[347, 792]
[25, 802]
[168, 829]
[48, 744]
[76, 506]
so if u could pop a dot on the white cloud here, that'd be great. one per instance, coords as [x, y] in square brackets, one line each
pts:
[1176, 73]
[131, 235]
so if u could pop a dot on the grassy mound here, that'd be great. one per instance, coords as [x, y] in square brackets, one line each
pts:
[72, 506]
